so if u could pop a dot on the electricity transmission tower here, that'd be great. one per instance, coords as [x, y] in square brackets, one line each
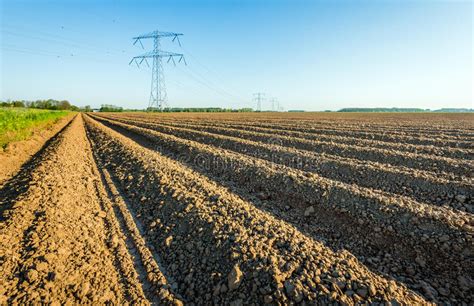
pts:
[275, 104]
[158, 96]
[258, 97]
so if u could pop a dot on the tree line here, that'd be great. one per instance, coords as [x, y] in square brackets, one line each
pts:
[50, 104]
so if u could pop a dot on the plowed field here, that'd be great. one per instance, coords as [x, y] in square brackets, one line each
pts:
[243, 209]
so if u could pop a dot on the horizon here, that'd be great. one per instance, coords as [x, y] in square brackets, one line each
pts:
[312, 56]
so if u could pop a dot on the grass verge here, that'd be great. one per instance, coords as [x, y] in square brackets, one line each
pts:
[21, 123]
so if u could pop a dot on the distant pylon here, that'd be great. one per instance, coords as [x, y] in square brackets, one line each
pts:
[158, 97]
[258, 97]
[275, 104]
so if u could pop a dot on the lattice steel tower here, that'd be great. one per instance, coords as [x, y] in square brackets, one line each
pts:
[158, 97]
[275, 104]
[258, 97]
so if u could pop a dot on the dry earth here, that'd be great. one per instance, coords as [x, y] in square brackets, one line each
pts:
[243, 209]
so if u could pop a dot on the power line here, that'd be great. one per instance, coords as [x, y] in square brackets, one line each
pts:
[201, 86]
[59, 56]
[195, 77]
[57, 39]
[196, 60]
[77, 48]
[225, 92]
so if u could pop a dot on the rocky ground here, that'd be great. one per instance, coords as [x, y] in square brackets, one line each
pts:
[128, 208]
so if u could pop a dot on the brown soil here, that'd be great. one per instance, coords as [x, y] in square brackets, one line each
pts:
[202, 209]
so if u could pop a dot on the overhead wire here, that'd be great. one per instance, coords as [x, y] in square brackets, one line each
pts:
[190, 71]
[56, 39]
[210, 71]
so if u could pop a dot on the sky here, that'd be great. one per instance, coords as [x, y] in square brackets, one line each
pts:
[309, 55]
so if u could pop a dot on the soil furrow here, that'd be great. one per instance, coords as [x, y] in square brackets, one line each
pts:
[122, 247]
[379, 218]
[220, 249]
[418, 131]
[382, 136]
[155, 282]
[242, 209]
[18, 212]
[403, 127]
[454, 153]
[20, 152]
[54, 232]
[398, 123]
[419, 185]
[410, 160]
[329, 128]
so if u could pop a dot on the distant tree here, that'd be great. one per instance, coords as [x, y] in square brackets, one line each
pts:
[110, 108]
[40, 104]
[245, 110]
[64, 105]
[18, 104]
[86, 109]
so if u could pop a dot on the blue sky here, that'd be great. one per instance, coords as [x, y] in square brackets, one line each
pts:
[312, 55]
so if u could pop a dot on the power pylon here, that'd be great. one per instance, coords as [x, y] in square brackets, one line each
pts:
[158, 96]
[275, 104]
[258, 97]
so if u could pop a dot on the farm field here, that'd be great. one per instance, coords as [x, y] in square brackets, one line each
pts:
[244, 208]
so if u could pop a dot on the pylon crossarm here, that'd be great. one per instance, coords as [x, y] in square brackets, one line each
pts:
[182, 59]
[171, 58]
[176, 37]
[158, 53]
[138, 40]
[158, 34]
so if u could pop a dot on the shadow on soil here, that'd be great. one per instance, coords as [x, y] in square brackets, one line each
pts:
[343, 238]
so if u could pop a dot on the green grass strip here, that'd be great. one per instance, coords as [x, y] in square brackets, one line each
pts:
[20, 123]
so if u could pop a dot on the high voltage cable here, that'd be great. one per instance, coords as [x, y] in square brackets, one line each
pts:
[197, 81]
[213, 84]
[196, 60]
[57, 55]
[44, 36]
[203, 83]
[191, 72]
